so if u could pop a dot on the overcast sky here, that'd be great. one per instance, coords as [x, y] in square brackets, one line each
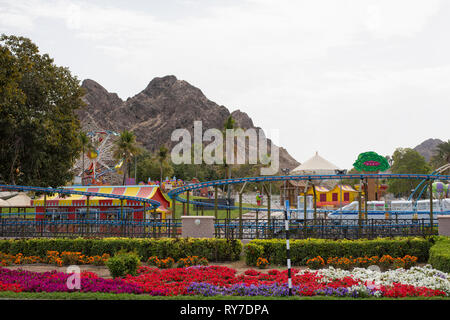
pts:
[334, 76]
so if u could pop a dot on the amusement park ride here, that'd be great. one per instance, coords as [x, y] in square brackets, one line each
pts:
[98, 161]
[139, 199]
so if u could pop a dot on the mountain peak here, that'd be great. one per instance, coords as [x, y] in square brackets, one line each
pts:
[153, 114]
[427, 148]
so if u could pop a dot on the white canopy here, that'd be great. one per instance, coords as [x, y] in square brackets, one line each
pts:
[4, 203]
[21, 200]
[316, 165]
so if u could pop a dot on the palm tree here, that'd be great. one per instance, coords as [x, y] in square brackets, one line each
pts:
[441, 155]
[126, 149]
[162, 158]
[85, 145]
[229, 124]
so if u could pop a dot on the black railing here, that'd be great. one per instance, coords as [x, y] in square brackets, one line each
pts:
[27, 228]
[224, 228]
[323, 228]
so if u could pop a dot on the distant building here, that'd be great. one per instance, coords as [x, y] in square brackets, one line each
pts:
[316, 165]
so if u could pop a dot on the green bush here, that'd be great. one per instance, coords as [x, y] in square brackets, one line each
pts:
[440, 254]
[123, 263]
[302, 250]
[211, 249]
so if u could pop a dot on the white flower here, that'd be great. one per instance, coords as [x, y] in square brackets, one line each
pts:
[424, 276]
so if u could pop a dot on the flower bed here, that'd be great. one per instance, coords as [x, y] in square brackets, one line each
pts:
[219, 280]
[28, 281]
[53, 257]
[214, 280]
[386, 262]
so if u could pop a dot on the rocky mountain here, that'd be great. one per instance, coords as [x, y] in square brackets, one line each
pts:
[427, 148]
[153, 114]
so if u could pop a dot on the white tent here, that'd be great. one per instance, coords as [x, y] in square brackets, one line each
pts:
[21, 200]
[315, 165]
[4, 203]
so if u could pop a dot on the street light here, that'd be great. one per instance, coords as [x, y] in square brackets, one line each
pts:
[340, 172]
[286, 172]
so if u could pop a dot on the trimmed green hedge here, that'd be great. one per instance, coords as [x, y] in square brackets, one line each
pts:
[440, 254]
[302, 250]
[211, 249]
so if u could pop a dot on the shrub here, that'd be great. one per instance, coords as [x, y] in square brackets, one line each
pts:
[302, 250]
[153, 261]
[166, 263]
[315, 263]
[262, 263]
[192, 261]
[440, 254]
[123, 263]
[211, 249]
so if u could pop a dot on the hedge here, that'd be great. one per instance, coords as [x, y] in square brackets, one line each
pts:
[211, 249]
[440, 254]
[301, 250]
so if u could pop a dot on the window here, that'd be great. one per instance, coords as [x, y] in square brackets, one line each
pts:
[335, 196]
[56, 214]
[93, 214]
[346, 196]
[323, 197]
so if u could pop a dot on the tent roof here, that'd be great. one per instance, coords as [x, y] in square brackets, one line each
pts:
[20, 200]
[4, 203]
[316, 163]
[142, 191]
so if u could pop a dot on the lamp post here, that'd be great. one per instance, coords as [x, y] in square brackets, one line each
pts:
[340, 172]
[286, 172]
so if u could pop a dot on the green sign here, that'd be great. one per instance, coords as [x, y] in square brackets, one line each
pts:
[371, 161]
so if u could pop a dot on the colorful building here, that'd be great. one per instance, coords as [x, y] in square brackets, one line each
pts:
[332, 198]
[74, 207]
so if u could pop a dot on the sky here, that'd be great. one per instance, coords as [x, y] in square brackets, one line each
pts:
[338, 77]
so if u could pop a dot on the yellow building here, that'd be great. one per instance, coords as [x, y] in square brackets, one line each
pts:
[332, 198]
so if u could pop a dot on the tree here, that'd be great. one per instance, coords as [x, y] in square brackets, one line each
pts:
[38, 125]
[85, 145]
[228, 125]
[162, 158]
[148, 167]
[406, 161]
[126, 148]
[441, 155]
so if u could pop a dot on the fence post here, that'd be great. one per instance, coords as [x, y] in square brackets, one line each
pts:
[240, 215]
[215, 202]
[257, 224]
[431, 206]
[288, 254]
[187, 203]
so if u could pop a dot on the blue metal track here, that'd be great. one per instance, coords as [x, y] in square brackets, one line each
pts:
[174, 194]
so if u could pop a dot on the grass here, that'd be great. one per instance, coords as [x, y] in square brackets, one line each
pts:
[126, 296]
[221, 213]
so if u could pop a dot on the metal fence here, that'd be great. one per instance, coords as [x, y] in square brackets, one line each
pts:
[27, 228]
[224, 228]
[323, 228]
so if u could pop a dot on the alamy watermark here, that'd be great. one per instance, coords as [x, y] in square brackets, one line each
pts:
[74, 280]
[186, 152]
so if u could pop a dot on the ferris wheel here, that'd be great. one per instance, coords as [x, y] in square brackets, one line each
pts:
[99, 159]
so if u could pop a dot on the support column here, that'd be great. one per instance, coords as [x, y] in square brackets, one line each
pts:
[215, 201]
[268, 210]
[315, 203]
[366, 199]
[187, 203]
[174, 206]
[240, 215]
[431, 206]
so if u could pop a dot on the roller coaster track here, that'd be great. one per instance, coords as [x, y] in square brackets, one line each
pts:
[175, 193]
[437, 171]
[152, 203]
